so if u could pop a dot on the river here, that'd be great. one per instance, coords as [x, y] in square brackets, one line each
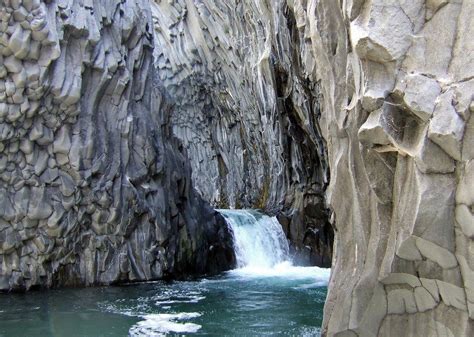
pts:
[265, 296]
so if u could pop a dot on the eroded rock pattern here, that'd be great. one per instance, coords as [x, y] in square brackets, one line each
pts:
[282, 105]
[94, 189]
[400, 136]
[389, 86]
[246, 106]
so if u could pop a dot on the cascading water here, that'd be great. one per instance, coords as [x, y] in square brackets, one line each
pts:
[265, 295]
[259, 239]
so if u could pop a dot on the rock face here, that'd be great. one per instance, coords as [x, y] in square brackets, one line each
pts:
[399, 131]
[247, 108]
[273, 98]
[94, 189]
[356, 112]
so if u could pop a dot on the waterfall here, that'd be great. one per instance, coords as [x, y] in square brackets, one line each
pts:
[259, 239]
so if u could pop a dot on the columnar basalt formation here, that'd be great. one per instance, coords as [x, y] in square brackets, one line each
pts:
[247, 108]
[94, 189]
[400, 151]
[271, 93]
[363, 108]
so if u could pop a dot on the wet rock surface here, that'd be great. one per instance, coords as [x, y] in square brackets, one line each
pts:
[351, 116]
[361, 107]
[247, 108]
[94, 189]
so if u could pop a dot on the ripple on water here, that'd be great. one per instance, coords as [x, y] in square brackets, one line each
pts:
[269, 296]
[226, 305]
[285, 270]
[161, 324]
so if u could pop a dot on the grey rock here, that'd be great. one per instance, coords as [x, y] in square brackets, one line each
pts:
[84, 203]
[396, 278]
[452, 295]
[440, 255]
[350, 119]
[385, 127]
[447, 127]
[408, 250]
[248, 112]
[410, 88]
[401, 301]
[424, 300]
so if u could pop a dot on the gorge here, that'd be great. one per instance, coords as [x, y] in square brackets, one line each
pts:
[123, 124]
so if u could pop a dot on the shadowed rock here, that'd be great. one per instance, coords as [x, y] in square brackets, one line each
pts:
[95, 189]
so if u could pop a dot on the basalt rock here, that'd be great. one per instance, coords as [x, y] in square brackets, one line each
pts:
[399, 132]
[360, 107]
[247, 108]
[94, 189]
[352, 113]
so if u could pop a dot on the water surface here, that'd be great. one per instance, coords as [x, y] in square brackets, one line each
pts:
[265, 296]
[238, 303]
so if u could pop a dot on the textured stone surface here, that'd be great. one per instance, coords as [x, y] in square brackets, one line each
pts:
[247, 108]
[355, 111]
[414, 234]
[269, 95]
[94, 189]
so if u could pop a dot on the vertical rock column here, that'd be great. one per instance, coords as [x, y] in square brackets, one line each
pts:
[93, 188]
[271, 93]
[397, 88]
[246, 107]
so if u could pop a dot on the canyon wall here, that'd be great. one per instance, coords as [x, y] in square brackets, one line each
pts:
[400, 132]
[356, 113]
[94, 189]
[367, 103]
[247, 108]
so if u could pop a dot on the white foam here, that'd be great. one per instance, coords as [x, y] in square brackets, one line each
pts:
[259, 240]
[262, 250]
[134, 311]
[161, 324]
[286, 270]
[195, 299]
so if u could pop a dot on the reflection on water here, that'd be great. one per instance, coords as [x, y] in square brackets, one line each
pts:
[238, 303]
[266, 296]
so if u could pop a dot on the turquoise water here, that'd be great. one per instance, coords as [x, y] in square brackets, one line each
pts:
[265, 296]
[283, 301]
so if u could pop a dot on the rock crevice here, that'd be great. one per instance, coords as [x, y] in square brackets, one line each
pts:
[94, 188]
[353, 117]
[247, 108]
[356, 111]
